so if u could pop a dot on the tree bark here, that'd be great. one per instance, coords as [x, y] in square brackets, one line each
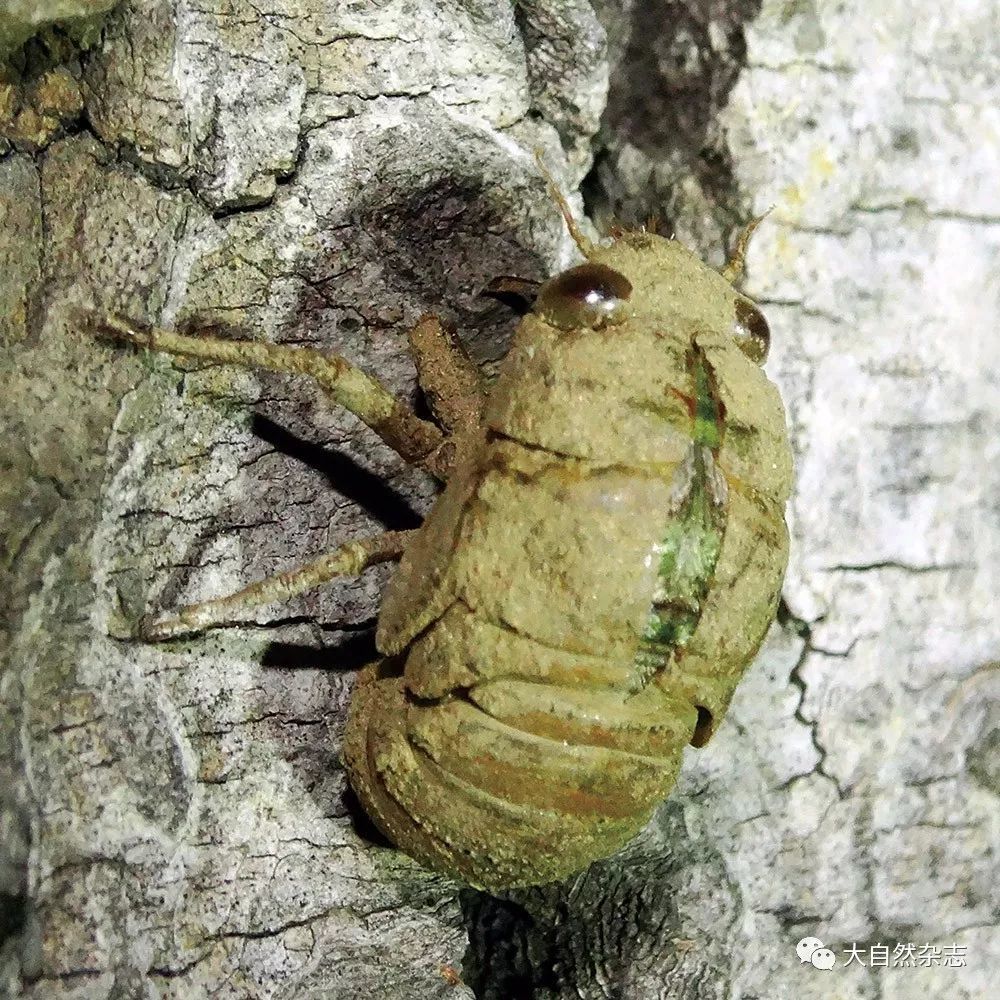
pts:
[174, 820]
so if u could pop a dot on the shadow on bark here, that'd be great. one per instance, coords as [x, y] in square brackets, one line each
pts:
[612, 931]
[678, 62]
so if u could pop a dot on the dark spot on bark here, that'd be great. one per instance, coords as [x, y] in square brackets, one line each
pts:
[352, 653]
[905, 140]
[703, 727]
[982, 759]
[13, 913]
[678, 64]
[498, 964]
[360, 820]
[609, 932]
[440, 245]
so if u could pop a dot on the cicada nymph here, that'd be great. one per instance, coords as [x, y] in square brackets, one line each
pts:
[599, 570]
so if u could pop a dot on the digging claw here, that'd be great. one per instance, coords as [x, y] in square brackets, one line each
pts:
[155, 629]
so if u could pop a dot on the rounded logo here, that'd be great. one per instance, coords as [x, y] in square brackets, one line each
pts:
[810, 950]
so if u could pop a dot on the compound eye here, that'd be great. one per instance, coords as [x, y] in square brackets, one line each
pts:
[586, 296]
[752, 332]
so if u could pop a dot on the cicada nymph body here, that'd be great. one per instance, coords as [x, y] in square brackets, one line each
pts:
[601, 568]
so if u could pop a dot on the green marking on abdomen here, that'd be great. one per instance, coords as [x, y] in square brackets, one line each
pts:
[708, 410]
[693, 537]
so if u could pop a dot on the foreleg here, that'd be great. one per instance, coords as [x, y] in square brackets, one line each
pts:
[447, 375]
[451, 384]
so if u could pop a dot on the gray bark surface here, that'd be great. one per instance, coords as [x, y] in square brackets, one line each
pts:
[173, 820]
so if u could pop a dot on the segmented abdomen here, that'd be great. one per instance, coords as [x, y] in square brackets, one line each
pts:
[519, 734]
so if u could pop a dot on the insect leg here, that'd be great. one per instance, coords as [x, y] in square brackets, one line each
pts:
[447, 375]
[348, 560]
[416, 440]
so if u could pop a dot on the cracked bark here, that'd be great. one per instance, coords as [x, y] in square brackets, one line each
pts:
[173, 821]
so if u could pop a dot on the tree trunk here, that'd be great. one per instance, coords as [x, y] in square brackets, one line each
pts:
[173, 820]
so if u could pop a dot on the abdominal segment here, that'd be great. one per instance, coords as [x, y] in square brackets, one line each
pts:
[510, 781]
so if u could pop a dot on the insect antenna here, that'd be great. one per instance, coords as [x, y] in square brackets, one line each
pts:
[586, 247]
[735, 268]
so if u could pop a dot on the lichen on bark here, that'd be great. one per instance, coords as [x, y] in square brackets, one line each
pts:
[75, 19]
